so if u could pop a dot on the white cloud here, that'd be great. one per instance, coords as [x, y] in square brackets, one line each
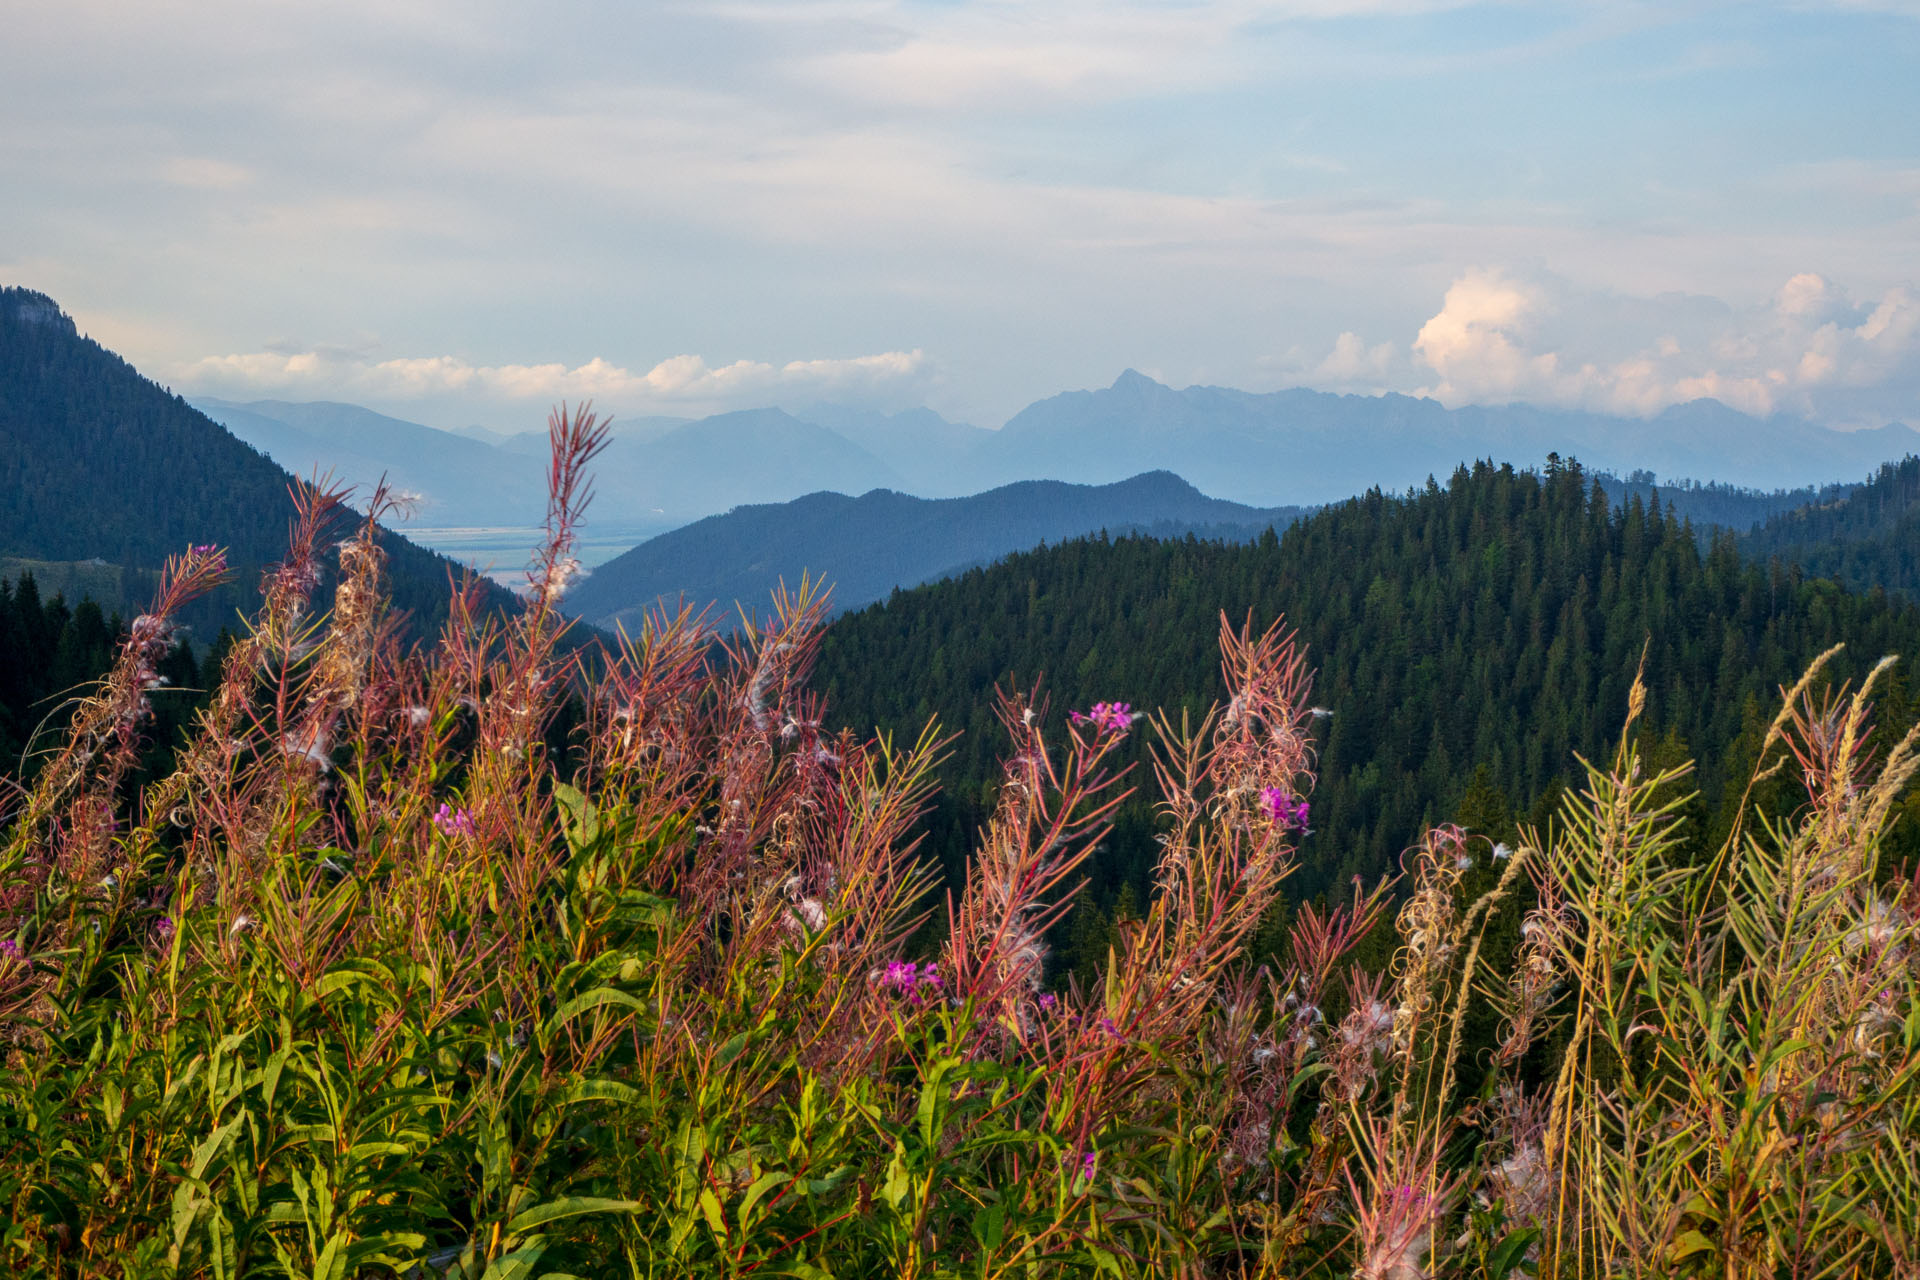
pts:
[1478, 341]
[685, 382]
[1501, 337]
[1353, 365]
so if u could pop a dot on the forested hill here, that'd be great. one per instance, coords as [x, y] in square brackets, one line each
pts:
[1712, 503]
[1868, 538]
[98, 463]
[1489, 625]
[867, 546]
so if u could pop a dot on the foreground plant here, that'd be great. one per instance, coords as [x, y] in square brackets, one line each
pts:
[383, 981]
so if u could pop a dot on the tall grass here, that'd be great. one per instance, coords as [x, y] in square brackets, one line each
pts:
[378, 983]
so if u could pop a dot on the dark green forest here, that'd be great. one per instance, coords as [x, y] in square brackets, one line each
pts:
[51, 654]
[1470, 640]
[99, 464]
[1871, 539]
[1713, 504]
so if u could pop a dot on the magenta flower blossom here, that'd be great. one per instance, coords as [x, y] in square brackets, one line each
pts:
[1089, 1161]
[1284, 809]
[1107, 717]
[917, 983]
[9, 949]
[163, 930]
[453, 822]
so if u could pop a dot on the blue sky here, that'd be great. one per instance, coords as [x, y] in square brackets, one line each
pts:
[460, 212]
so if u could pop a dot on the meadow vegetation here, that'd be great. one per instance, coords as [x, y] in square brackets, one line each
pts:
[377, 982]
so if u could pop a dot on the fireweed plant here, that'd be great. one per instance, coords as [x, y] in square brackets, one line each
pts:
[375, 983]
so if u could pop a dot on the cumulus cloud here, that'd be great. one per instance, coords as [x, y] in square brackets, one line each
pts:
[1352, 365]
[1810, 349]
[685, 382]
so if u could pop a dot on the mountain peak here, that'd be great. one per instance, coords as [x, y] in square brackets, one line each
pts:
[32, 307]
[1159, 484]
[1136, 382]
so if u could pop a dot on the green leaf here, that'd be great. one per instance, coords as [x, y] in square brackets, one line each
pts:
[761, 1185]
[187, 1204]
[599, 1091]
[1690, 1243]
[332, 1263]
[593, 1000]
[835, 1178]
[990, 1226]
[1509, 1253]
[714, 1213]
[579, 819]
[689, 1152]
[338, 980]
[899, 1183]
[571, 1206]
[517, 1265]
[933, 1096]
[361, 1151]
[204, 1153]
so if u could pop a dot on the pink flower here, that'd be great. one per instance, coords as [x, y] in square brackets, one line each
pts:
[9, 949]
[916, 982]
[453, 822]
[1107, 717]
[1284, 809]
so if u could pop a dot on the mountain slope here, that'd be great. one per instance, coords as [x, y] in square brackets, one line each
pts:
[869, 545]
[1493, 621]
[717, 463]
[97, 462]
[1868, 539]
[1727, 507]
[932, 455]
[461, 481]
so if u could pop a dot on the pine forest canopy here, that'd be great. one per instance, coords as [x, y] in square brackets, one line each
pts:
[1480, 632]
[1870, 540]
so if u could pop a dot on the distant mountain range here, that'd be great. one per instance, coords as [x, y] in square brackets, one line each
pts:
[654, 475]
[98, 465]
[1290, 448]
[462, 481]
[867, 546]
[1309, 446]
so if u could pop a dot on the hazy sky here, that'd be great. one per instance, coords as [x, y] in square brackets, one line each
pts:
[461, 212]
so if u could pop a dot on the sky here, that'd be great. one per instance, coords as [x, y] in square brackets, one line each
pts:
[461, 213]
